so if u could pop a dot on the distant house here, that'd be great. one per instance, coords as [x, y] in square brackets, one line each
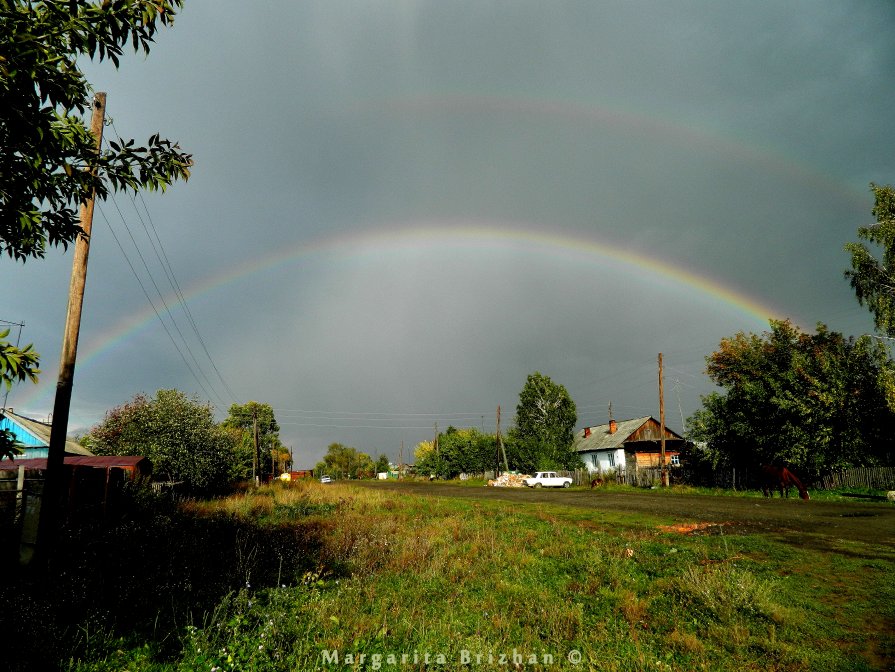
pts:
[626, 445]
[34, 435]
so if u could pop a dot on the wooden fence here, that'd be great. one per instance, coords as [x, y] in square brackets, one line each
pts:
[20, 493]
[877, 478]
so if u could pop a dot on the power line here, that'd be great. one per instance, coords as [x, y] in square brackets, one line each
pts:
[172, 278]
[149, 300]
[162, 257]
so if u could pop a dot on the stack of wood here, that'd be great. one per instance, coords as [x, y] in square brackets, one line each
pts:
[509, 481]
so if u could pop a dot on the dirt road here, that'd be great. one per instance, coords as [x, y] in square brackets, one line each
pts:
[821, 524]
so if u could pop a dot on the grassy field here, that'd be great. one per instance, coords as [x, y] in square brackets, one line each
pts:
[340, 577]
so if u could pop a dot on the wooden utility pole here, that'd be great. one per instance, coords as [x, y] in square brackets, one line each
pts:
[437, 452]
[500, 449]
[51, 499]
[497, 446]
[662, 423]
[256, 454]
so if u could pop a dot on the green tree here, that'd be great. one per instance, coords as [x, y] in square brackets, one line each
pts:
[543, 432]
[813, 401]
[343, 461]
[874, 280]
[382, 464]
[241, 418]
[459, 451]
[179, 436]
[45, 146]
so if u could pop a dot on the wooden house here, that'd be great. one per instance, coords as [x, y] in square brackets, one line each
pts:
[34, 435]
[626, 445]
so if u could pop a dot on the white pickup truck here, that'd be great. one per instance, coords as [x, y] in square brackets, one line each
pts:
[547, 479]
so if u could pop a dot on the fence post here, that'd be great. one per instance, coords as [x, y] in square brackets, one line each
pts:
[20, 495]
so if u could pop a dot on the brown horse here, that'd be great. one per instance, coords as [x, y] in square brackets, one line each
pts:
[781, 478]
[596, 483]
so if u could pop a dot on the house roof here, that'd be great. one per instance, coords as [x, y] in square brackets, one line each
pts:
[95, 461]
[41, 431]
[627, 431]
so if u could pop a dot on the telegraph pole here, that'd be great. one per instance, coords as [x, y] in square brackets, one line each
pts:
[497, 445]
[664, 471]
[53, 483]
[500, 448]
[256, 454]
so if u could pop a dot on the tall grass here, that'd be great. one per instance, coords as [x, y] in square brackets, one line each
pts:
[319, 576]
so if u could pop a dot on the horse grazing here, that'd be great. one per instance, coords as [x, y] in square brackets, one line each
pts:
[781, 478]
[596, 483]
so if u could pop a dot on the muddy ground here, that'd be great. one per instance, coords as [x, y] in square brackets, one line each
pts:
[821, 524]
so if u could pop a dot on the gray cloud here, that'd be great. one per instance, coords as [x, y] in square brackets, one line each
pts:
[732, 141]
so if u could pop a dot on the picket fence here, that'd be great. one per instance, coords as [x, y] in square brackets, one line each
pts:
[877, 478]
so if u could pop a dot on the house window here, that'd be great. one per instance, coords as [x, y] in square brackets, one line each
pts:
[594, 460]
[675, 460]
[611, 460]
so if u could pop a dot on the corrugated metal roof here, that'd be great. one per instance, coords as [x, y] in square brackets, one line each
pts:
[95, 461]
[601, 439]
[41, 430]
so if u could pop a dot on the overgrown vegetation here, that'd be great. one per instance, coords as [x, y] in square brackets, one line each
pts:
[297, 577]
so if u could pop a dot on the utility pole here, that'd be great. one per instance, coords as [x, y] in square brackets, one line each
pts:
[437, 452]
[500, 449]
[401, 462]
[53, 483]
[256, 456]
[662, 424]
[497, 446]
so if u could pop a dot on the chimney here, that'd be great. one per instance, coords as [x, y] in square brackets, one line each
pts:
[586, 432]
[613, 426]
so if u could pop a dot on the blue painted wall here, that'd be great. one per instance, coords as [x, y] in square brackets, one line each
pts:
[22, 435]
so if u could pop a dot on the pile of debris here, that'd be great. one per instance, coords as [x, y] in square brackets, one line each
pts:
[509, 481]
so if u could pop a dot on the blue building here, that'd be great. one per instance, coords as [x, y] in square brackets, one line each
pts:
[34, 436]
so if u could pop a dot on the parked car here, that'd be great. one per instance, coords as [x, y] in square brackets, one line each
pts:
[547, 479]
[326, 479]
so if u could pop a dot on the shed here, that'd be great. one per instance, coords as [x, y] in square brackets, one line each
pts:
[620, 445]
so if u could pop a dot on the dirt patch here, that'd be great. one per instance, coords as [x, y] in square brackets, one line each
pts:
[694, 528]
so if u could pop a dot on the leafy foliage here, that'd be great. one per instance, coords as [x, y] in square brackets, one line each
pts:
[16, 365]
[382, 464]
[545, 421]
[241, 420]
[459, 451]
[873, 280]
[815, 401]
[178, 435]
[343, 461]
[45, 147]
[48, 162]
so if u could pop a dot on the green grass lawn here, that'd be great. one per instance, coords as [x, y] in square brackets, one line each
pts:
[397, 581]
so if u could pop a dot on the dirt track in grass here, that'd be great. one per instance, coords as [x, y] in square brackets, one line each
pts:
[820, 524]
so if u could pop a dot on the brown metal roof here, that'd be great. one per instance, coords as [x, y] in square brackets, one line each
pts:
[95, 461]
